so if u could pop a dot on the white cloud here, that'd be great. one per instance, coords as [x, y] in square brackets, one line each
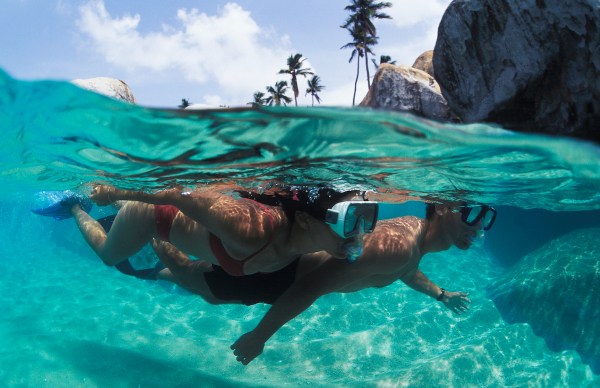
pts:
[416, 25]
[230, 48]
[341, 95]
[406, 13]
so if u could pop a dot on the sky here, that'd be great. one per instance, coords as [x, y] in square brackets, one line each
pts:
[210, 52]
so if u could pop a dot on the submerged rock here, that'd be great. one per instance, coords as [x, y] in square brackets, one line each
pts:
[108, 86]
[405, 89]
[527, 65]
[556, 290]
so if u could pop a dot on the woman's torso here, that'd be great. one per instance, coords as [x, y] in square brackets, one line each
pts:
[265, 252]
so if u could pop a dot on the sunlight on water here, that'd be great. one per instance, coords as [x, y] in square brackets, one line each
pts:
[71, 321]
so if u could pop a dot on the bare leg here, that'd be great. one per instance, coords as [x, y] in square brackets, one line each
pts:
[133, 227]
[198, 206]
[189, 274]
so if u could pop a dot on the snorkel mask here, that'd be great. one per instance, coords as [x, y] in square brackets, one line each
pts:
[351, 218]
[472, 214]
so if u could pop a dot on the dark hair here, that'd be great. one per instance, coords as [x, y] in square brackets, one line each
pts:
[429, 211]
[312, 200]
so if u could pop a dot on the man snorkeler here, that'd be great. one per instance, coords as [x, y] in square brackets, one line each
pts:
[393, 251]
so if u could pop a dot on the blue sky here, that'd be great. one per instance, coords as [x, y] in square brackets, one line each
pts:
[210, 52]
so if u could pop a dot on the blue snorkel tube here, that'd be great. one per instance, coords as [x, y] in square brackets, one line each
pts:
[388, 211]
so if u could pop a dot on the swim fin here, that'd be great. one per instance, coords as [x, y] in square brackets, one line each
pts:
[61, 210]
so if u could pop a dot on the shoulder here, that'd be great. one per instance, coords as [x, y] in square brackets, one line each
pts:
[395, 236]
[393, 244]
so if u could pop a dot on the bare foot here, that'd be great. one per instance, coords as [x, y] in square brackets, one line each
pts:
[101, 195]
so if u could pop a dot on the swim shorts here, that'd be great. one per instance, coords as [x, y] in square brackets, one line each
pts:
[251, 289]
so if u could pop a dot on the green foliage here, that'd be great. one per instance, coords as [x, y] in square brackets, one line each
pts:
[184, 103]
[362, 29]
[314, 88]
[277, 94]
[295, 69]
[258, 99]
[383, 59]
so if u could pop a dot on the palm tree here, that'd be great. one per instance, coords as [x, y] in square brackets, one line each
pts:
[363, 12]
[314, 88]
[277, 94]
[294, 63]
[259, 99]
[383, 59]
[184, 103]
[357, 51]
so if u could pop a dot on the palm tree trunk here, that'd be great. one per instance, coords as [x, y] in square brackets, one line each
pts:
[367, 67]
[295, 88]
[356, 80]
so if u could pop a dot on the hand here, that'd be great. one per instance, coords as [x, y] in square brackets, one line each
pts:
[101, 195]
[458, 302]
[248, 347]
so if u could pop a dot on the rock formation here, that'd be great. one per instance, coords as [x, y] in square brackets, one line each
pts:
[425, 62]
[108, 86]
[556, 290]
[527, 65]
[405, 89]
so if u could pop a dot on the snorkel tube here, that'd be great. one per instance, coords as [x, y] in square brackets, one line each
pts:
[386, 211]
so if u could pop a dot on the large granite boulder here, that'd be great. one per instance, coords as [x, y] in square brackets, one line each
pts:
[405, 89]
[108, 86]
[425, 62]
[556, 290]
[527, 65]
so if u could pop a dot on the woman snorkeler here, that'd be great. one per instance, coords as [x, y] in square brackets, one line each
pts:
[256, 232]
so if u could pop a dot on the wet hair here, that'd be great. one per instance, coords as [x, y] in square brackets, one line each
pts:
[311, 200]
[429, 211]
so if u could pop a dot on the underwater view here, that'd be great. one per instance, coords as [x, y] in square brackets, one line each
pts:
[70, 320]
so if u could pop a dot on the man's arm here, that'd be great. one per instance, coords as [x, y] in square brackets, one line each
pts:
[458, 302]
[330, 277]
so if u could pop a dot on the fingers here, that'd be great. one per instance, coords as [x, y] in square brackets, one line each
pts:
[460, 309]
[465, 296]
[245, 360]
[460, 303]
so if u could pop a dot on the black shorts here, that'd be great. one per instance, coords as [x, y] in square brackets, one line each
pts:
[251, 289]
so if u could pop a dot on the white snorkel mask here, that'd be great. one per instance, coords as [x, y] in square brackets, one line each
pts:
[351, 218]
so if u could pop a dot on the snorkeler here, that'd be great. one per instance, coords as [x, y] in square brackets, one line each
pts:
[392, 252]
[246, 235]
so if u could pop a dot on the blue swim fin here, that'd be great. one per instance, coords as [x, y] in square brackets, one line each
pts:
[61, 210]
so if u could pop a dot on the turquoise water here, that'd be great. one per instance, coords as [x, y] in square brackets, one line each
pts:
[68, 320]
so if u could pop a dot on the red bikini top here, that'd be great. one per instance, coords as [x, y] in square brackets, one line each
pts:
[230, 265]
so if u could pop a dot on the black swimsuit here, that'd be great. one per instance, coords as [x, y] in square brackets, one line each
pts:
[251, 289]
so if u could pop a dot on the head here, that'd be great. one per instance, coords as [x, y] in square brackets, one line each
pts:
[309, 208]
[460, 222]
[314, 201]
[313, 208]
